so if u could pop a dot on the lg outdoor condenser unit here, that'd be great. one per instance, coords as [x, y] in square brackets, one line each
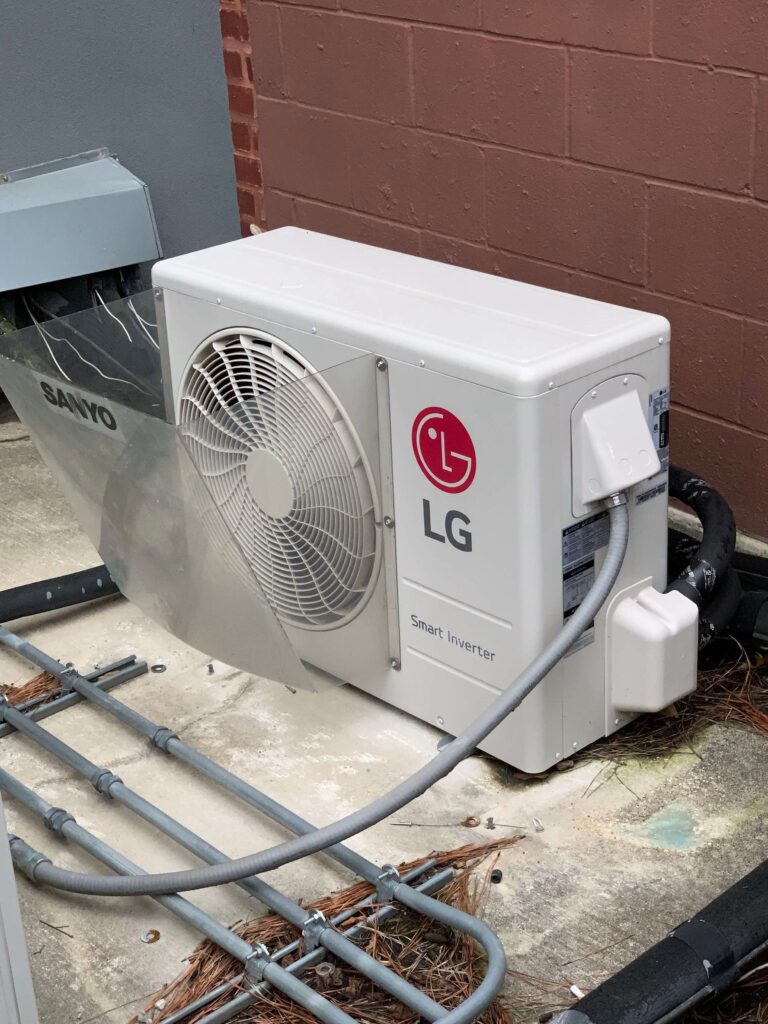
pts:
[408, 462]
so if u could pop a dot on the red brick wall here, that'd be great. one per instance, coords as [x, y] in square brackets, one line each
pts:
[242, 110]
[613, 148]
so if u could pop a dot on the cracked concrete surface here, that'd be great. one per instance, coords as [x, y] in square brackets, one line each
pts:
[620, 860]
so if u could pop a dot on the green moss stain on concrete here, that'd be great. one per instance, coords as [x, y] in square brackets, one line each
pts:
[673, 828]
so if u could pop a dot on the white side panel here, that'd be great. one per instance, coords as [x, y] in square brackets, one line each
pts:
[480, 570]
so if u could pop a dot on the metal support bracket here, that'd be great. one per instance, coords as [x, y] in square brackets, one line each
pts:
[314, 927]
[257, 962]
[387, 882]
[65, 679]
[106, 678]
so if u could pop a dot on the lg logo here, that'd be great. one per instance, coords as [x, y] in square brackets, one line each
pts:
[444, 449]
[446, 456]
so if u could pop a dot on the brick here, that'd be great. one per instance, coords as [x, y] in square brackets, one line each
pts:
[753, 412]
[247, 170]
[306, 151]
[458, 13]
[233, 65]
[240, 99]
[713, 32]
[234, 25]
[498, 89]
[278, 209]
[707, 346]
[730, 458]
[622, 25]
[246, 203]
[355, 226]
[241, 136]
[264, 21]
[490, 261]
[406, 175]
[346, 63]
[709, 248]
[328, 5]
[761, 147]
[668, 120]
[567, 214]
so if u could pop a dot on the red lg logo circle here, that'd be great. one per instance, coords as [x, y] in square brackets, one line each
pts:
[444, 449]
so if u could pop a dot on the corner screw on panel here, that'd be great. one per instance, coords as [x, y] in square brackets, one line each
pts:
[395, 664]
[389, 522]
[381, 364]
[157, 293]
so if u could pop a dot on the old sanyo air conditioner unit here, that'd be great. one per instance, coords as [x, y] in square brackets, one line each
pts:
[412, 458]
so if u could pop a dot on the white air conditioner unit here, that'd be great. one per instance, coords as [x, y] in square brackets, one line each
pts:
[412, 458]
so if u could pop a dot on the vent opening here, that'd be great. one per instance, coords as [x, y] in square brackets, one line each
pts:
[288, 474]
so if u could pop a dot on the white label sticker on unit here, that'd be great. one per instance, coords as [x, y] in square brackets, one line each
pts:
[658, 424]
[580, 542]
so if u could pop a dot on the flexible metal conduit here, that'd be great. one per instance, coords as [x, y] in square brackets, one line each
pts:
[314, 926]
[244, 999]
[255, 959]
[440, 766]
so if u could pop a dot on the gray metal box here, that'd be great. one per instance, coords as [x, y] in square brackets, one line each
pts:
[70, 217]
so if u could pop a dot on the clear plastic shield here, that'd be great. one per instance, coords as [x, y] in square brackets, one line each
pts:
[111, 350]
[256, 513]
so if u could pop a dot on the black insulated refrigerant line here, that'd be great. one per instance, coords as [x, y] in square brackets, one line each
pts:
[707, 577]
[702, 957]
[710, 562]
[58, 592]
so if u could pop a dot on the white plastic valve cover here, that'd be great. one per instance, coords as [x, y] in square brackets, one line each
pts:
[652, 646]
[612, 446]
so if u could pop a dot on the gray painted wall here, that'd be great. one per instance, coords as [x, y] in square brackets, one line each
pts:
[142, 77]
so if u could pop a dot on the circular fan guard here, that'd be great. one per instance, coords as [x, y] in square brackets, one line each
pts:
[288, 474]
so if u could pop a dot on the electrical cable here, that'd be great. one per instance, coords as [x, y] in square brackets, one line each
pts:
[53, 337]
[43, 871]
[109, 312]
[42, 334]
[143, 324]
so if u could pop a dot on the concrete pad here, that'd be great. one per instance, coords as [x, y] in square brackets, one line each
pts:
[622, 857]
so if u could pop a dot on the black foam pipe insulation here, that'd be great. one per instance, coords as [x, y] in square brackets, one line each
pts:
[702, 957]
[710, 561]
[718, 613]
[59, 592]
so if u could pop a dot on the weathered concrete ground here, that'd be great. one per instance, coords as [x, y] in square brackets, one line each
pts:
[621, 857]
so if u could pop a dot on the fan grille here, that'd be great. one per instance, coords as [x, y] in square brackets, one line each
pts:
[288, 474]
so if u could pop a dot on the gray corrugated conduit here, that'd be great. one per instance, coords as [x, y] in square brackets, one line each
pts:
[462, 746]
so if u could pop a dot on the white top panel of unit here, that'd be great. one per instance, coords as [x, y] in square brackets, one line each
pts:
[504, 334]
